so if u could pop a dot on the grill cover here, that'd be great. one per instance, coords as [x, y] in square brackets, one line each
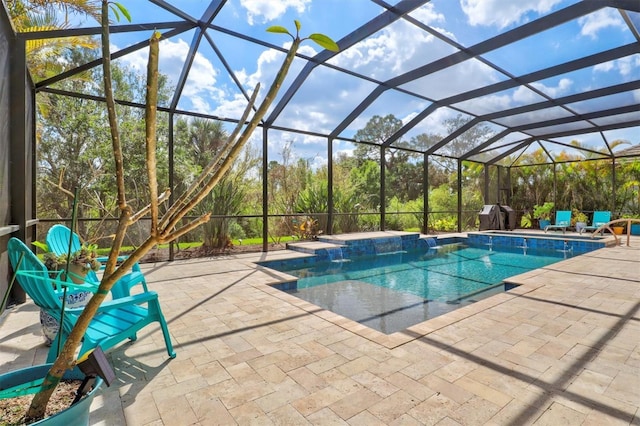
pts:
[489, 217]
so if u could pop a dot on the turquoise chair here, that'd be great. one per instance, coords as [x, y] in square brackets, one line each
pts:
[563, 221]
[58, 243]
[599, 218]
[116, 320]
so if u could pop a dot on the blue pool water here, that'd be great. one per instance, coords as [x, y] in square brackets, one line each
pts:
[394, 291]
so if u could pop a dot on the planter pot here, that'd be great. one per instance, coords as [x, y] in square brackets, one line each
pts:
[618, 230]
[76, 415]
[635, 229]
[75, 299]
[580, 226]
[544, 223]
[77, 273]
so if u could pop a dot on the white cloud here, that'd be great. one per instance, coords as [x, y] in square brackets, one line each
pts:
[599, 20]
[468, 75]
[524, 95]
[345, 151]
[604, 66]
[562, 88]
[269, 10]
[434, 123]
[427, 15]
[397, 48]
[626, 67]
[200, 87]
[487, 104]
[230, 107]
[503, 13]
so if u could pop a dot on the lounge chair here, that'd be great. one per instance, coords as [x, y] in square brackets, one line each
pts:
[599, 218]
[563, 221]
[116, 320]
[58, 243]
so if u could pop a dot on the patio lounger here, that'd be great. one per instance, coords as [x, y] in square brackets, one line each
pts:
[563, 221]
[599, 218]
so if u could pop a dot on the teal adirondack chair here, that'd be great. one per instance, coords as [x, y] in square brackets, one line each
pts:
[115, 321]
[58, 243]
[599, 218]
[563, 221]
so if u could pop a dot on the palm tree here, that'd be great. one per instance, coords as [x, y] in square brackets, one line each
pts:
[48, 15]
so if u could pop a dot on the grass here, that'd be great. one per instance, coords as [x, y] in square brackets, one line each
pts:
[195, 244]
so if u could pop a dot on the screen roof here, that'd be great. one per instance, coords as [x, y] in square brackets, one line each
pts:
[562, 74]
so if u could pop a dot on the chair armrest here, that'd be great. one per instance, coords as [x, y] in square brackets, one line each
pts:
[136, 299]
[59, 283]
[123, 287]
[103, 259]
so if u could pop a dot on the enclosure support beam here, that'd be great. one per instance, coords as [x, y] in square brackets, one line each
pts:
[486, 183]
[329, 229]
[459, 195]
[498, 183]
[425, 195]
[19, 150]
[383, 197]
[508, 186]
[555, 186]
[21, 146]
[265, 192]
[171, 179]
[613, 184]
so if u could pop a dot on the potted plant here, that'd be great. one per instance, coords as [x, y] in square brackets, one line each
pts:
[578, 220]
[635, 223]
[166, 225]
[618, 229]
[76, 414]
[79, 264]
[543, 213]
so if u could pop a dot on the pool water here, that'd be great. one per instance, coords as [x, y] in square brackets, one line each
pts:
[392, 292]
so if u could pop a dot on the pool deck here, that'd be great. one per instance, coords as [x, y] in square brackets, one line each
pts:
[562, 348]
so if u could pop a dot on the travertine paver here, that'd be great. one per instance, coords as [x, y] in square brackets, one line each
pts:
[563, 348]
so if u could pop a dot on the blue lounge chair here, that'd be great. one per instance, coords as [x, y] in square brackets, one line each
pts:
[599, 218]
[58, 243]
[563, 221]
[115, 321]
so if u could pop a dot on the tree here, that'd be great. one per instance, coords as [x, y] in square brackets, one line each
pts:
[70, 153]
[464, 142]
[437, 173]
[164, 228]
[287, 180]
[198, 141]
[377, 131]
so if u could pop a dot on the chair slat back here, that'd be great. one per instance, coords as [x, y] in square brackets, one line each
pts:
[601, 217]
[58, 242]
[37, 284]
[563, 217]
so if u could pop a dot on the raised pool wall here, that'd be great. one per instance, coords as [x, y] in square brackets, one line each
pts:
[352, 248]
[552, 242]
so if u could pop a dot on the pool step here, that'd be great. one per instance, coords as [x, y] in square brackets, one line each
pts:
[361, 244]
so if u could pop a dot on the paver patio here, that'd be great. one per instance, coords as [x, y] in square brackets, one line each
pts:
[563, 348]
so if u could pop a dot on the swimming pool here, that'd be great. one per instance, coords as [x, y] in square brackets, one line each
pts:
[394, 291]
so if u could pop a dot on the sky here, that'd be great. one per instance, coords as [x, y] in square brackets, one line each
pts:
[327, 95]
